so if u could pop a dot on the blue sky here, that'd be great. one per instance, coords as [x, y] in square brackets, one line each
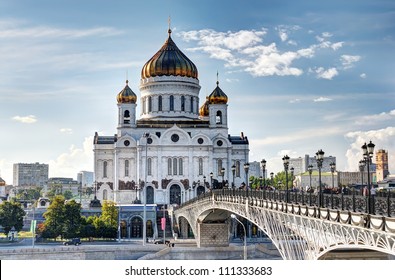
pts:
[300, 75]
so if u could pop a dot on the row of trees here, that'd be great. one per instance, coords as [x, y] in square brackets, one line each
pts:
[63, 219]
[279, 181]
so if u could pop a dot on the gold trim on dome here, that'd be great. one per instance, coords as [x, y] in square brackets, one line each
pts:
[203, 110]
[169, 61]
[127, 95]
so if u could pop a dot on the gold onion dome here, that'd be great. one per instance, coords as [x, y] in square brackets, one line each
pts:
[218, 96]
[169, 61]
[127, 95]
[203, 110]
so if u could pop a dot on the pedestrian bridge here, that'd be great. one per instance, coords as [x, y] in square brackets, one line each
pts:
[296, 225]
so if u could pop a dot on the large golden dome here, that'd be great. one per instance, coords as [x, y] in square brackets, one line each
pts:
[169, 61]
[218, 96]
[127, 95]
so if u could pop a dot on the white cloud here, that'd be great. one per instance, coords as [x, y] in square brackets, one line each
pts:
[66, 130]
[336, 46]
[326, 74]
[76, 159]
[382, 138]
[377, 118]
[25, 119]
[245, 49]
[349, 60]
[363, 76]
[296, 100]
[322, 99]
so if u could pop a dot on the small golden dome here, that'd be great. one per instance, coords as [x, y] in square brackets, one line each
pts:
[169, 61]
[203, 110]
[127, 95]
[218, 96]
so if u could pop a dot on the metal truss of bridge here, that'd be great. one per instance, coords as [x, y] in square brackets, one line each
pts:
[300, 229]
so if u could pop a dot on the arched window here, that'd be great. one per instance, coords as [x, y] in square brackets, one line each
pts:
[180, 167]
[237, 168]
[174, 166]
[191, 104]
[171, 103]
[200, 166]
[149, 166]
[149, 104]
[160, 103]
[105, 195]
[126, 168]
[219, 167]
[183, 103]
[105, 169]
[169, 166]
[218, 117]
[126, 116]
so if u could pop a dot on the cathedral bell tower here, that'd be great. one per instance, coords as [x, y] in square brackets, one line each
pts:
[218, 108]
[126, 109]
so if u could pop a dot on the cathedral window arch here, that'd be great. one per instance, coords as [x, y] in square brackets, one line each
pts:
[126, 116]
[105, 169]
[105, 195]
[169, 166]
[149, 166]
[200, 166]
[219, 167]
[237, 168]
[149, 104]
[160, 103]
[191, 104]
[126, 168]
[183, 103]
[218, 117]
[171, 103]
[180, 167]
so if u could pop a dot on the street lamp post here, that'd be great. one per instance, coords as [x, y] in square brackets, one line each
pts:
[320, 158]
[233, 168]
[263, 165]
[211, 180]
[310, 169]
[246, 167]
[233, 216]
[333, 169]
[368, 154]
[286, 165]
[146, 136]
[272, 178]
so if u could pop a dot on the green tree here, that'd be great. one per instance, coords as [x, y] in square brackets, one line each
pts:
[11, 216]
[109, 214]
[55, 217]
[68, 194]
[73, 220]
[279, 181]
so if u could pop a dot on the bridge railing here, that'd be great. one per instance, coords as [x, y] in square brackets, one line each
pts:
[353, 202]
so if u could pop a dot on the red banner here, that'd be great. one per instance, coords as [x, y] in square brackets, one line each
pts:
[163, 223]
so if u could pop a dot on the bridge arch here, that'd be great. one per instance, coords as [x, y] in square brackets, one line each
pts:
[298, 231]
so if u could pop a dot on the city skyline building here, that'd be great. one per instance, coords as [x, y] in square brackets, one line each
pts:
[30, 174]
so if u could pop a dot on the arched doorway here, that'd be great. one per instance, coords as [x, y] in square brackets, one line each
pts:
[150, 195]
[175, 194]
[200, 190]
[137, 227]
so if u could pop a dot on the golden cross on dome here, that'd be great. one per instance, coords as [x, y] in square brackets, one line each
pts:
[217, 79]
[169, 22]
